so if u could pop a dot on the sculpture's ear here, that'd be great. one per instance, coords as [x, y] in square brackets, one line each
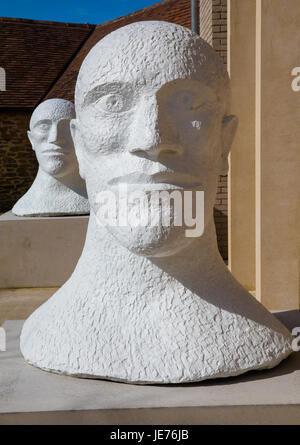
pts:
[30, 139]
[229, 127]
[78, 144]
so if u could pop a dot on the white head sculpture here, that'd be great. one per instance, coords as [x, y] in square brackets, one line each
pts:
[163, 107]
[58, 188]
[148, 304]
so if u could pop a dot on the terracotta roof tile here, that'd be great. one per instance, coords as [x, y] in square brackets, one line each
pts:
[34, 54]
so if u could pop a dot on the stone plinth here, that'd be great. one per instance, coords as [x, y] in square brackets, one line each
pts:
[31, 396]
[39, 252]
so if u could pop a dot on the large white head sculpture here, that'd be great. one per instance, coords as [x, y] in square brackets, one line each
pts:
[58, 188]
[148, 304]
[152, 108]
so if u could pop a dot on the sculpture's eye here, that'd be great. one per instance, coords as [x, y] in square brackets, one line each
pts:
[112, 103]
[43, 127]
[187, 101]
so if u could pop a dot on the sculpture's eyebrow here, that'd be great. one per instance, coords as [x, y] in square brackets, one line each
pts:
[41, 121]
[106, 88]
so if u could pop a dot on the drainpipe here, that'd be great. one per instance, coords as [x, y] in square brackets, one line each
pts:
[195, 15]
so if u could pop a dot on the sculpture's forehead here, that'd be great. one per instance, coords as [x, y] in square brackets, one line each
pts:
[149, 53]
[53, 109]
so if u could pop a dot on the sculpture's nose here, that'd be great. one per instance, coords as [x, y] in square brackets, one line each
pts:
[152, 134]
[55, 134]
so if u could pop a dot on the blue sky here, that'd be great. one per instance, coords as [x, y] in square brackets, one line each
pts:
[77, 11]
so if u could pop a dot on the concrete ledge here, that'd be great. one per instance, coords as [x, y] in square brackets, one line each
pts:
[235, 415]
[39, 252]
[31, 396]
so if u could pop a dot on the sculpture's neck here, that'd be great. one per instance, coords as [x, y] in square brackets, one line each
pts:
[197, 264]
[111, 273]
[48, 197]
[43, 179]
[70, 181]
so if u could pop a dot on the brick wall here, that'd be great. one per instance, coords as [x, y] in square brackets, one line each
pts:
[219, 27]
[18, 164]
[213, 29]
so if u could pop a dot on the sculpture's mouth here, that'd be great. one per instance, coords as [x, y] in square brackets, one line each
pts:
[158, 181]
[56, 150]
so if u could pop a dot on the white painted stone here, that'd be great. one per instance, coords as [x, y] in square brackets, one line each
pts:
[149, 305]
[39, 251]
[57, 189]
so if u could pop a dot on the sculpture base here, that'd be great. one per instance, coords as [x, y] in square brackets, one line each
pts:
[262, 397]
[39, 252]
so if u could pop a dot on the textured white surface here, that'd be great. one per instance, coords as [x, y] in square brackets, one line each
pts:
[148, 305]
[57, 189]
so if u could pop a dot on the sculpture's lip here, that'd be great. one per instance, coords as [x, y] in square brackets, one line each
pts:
[172, 179]
[55, 151]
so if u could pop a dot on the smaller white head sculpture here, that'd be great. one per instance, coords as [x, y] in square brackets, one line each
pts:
[58, 188]
[51, 139]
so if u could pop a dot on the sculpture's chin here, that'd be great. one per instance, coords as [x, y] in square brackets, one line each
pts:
[53, 167]
[147, 231]
[57, 168]
[151, 241]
